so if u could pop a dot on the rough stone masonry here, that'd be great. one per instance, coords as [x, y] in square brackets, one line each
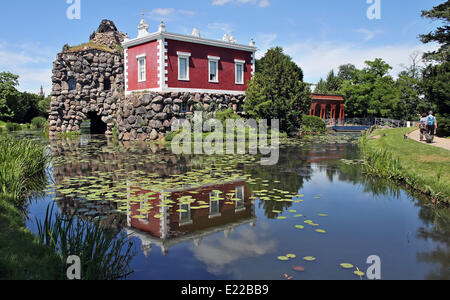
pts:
[88, 82]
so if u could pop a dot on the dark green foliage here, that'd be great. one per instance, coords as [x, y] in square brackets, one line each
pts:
[13, 127]
[19, 107]
[38, 122]
[441, 35]
[313, 125]
[372, 92]
[277, 91]
[436, 87]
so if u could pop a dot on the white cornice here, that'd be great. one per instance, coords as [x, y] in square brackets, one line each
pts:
[186, 38]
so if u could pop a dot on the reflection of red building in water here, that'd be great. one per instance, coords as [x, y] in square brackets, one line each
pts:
[328, 107]
[191, 224]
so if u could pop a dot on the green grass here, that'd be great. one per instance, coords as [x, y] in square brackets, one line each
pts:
[104, 254]
[22, 169]
[22, 257]
[422, 167]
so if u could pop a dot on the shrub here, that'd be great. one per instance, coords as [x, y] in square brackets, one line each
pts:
[13, 127]
[313, 125]
[38, 123]
[225, 115]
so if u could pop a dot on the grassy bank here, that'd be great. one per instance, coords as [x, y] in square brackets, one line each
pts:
[420, 166]
[103, 254]
[22, 175]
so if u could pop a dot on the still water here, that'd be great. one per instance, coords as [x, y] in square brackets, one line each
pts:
[227, 217]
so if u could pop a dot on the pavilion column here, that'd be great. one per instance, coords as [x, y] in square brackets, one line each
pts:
[323, 111]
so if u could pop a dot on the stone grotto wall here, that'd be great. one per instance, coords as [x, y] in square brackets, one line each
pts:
[83, 82]
[148, 117]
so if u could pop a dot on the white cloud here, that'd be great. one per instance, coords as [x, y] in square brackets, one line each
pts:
[31, 61]
[368, 34]
[217, 253]
[259, 3]
[162, 11]
[318, 58]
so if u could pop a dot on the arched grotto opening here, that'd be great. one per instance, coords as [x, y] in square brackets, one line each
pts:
[97, 125]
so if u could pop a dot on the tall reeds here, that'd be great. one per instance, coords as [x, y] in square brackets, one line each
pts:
[23, 166]
[104, 255]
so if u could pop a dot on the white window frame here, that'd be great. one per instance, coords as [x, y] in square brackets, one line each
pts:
[242, 200]
[212, 214]
[237, 63]
[186, 222]
[183, 55]
[142, 57]
[216, 60]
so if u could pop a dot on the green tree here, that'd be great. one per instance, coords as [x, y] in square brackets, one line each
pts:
[8, 94]
[346, 71]
[278, 92]
[440, 35]
[436, 87]
[436, 76]
[372, 92]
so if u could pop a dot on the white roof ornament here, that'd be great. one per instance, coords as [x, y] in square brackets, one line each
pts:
[226, 37]
[162, 27]
[252, 43]
[142, 28]
[232, 39]
[196, 32]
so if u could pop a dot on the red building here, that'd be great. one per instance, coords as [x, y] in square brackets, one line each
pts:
[169, 62]
[174, 227]
[328, 107]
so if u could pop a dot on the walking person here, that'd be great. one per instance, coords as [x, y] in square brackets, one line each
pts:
[423, 126]
[432, 127]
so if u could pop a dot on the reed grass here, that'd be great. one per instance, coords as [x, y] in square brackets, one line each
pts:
[408, 162]
[104, 255]
[23, 166]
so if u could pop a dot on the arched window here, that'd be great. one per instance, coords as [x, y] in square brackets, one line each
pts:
[72, 84]
[107, 84]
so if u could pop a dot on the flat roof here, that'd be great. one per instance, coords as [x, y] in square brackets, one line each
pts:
[187, 38]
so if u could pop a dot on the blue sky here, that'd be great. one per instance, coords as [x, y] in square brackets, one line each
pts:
[318, 34]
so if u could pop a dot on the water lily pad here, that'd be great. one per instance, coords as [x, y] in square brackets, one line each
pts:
[347, 266]
[299, 226]
[283, 258]
[291, 256]
[309, 258]
[282, 218]
[320, 231]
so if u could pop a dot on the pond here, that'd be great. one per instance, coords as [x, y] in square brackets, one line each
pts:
[228, 217]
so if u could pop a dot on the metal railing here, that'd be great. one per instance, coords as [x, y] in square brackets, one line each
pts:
[381, 122]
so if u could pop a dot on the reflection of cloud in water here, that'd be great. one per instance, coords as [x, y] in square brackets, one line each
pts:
[218, 251]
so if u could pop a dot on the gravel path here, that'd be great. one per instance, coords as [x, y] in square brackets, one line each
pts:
[438, 142]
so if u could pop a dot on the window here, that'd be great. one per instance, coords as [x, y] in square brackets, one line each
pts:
[142, 76]
[239, 71]
[240, 198]
[72, 84]
[183, 66]
[214, 205]
[184, 108]
[185, 214]
[107, 84]
[213, 69]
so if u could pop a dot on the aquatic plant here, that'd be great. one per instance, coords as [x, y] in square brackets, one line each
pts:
[104, 254]
[22, 168]
[382, 162]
